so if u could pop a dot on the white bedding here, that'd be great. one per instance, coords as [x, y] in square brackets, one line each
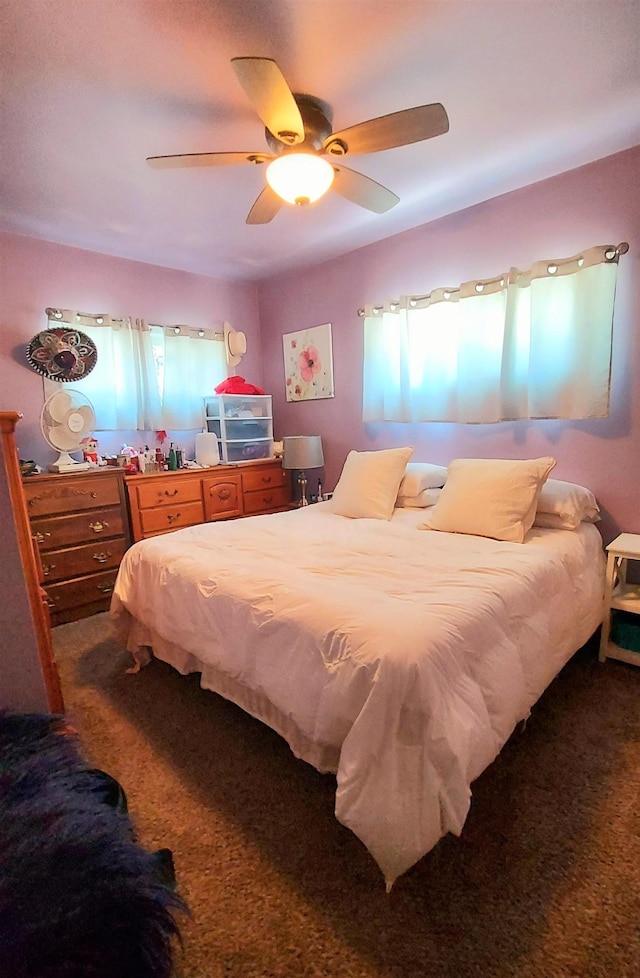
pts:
[400, 658]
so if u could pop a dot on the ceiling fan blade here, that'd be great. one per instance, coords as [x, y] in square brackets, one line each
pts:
[363, 190]
[205, 159]
[395, 129]
[271, 97]
[265, 207]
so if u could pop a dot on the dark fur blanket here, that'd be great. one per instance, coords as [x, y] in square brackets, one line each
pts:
[78, 895]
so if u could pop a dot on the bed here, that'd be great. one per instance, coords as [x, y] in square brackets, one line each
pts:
[397, 658]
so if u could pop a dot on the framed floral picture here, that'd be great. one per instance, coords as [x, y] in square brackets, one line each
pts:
[308, 363]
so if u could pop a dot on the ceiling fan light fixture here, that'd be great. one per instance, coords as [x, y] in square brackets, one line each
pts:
[300, 178]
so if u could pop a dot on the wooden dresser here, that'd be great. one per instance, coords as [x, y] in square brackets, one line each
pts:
[29, 681]
[80, 524]
[164, 501]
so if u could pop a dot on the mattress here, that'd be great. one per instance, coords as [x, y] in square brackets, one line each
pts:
[399, 658]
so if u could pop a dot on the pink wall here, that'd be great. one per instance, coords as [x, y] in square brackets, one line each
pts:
[595, 204]
[35, 274]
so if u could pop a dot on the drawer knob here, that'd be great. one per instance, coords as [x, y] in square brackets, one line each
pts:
[170, 492]
[102, 557]
[47, 568]
[99, 526]
[51, 602]
[105, 588]
[172, 517]
[266, 479]
[41, 537]
[267, 499]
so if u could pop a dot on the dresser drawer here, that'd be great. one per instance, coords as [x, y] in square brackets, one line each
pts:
[269, 477]
[70, 494]
[90, 558]
[167, 491]
[81, 590]
[266, 500]
[80, 524]
[166, 501]
[64, 531]
[222, 497]
[164, 518]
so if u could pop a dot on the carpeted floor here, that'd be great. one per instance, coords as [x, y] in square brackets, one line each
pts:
[543, 883]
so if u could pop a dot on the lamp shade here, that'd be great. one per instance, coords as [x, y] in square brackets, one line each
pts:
[300, 178]
[303, 452]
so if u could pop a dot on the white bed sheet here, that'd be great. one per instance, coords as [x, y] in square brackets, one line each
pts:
[400, 658]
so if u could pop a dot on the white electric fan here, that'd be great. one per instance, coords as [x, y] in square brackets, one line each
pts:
[67, 417]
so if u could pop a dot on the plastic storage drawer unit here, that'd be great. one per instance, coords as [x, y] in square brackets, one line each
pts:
[243, 425]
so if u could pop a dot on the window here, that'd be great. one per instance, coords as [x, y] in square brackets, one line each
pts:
[147, 377]
[533, 344]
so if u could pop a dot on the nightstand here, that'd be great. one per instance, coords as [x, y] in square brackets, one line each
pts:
[620, 596]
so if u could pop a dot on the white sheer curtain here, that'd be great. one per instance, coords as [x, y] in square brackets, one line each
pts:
[122, 386]
[146, 378]
[193, 365]
[533, 344]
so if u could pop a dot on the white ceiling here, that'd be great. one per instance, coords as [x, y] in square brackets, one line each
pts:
[93, 87]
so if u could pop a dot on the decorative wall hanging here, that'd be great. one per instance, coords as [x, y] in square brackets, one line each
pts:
[62, 353]
[235, 343]
[308, 363]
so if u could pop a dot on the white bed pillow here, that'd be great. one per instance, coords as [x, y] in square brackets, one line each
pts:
[368, 485]
[422, 475]
[490, 497]
[565, 505]
[428, 497]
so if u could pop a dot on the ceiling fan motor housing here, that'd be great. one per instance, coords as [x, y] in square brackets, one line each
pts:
[316, 118]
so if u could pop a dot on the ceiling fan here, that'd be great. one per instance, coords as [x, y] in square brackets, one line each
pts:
[299, 134]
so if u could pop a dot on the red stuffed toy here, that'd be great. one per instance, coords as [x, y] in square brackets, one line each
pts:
[237, 385]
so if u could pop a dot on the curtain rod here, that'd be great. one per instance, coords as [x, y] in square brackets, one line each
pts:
[610, 254]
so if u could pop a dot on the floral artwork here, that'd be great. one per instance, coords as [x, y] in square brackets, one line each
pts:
[308, 363]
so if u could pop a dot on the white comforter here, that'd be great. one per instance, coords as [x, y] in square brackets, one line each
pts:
[409, 654]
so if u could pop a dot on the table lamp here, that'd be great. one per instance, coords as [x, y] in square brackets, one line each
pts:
[303, 452]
